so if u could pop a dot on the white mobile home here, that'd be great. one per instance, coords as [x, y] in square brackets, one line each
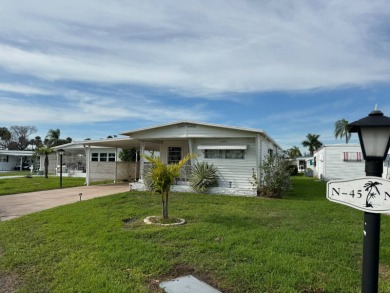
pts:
[342, 161]
[236, 152]
[14, 160]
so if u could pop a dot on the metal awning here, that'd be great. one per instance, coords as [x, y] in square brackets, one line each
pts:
[222, 147]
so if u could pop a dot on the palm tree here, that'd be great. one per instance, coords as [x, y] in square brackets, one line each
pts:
[163, 176]
[38, 141]
[312, 142]
[294, 152]
[53, 137]
[341, 129]
[45, 151]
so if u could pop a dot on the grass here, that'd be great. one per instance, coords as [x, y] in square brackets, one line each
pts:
[14, 173]
[21, 185]
[302, 243]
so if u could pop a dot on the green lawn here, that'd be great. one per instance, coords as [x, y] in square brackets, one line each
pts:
[302, 243]
[14, 173]
[20, 185]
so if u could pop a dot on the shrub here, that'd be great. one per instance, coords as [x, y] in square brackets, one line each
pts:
[128, 155]
[203, 177]
[274, 177]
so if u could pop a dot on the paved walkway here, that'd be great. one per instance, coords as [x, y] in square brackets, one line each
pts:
[16, 205]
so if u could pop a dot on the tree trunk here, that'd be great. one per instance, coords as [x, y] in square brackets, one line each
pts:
[46, 166]
[165, 205]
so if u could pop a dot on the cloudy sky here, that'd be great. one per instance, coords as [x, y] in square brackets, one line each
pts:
[97, 68]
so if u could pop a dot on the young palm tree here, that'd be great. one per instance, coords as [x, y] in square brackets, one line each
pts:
[53, 137]
[294, 152]
[341, 129]
[163, 176]
[45, 151]
[312, 142]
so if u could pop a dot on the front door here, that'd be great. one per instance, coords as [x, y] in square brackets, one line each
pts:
[174, 155]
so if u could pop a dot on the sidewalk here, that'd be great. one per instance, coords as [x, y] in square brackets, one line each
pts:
[16, 205]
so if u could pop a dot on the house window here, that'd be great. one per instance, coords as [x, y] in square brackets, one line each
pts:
[270, 152]
[103, 157]
[3, 158]
[111, 157]
[174, 155]
[95, 157]
[224, 154]
[352, 156]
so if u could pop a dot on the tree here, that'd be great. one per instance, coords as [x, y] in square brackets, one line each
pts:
[5, 136]
[38, 141]
[53, 137]
[128, 155]
[341, 129]
[274, 178]
[20, 136]
[163, 176]
[45, 151]
[312, 142]
[294, 152]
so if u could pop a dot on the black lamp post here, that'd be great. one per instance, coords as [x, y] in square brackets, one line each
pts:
[374, 137]
[61, 152]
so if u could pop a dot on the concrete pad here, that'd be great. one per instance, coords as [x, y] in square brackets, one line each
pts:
[16, 205]
[187, 284]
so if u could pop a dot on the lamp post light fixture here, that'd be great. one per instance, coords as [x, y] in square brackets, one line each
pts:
[374, 137]
[61, 152]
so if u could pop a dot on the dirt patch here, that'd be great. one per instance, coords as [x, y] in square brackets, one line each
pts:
[9, 283]
[384, 271]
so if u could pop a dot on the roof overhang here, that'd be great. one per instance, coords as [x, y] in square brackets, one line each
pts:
[222, 147]
[16, 153]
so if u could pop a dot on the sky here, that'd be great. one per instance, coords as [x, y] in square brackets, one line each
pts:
[98, 68]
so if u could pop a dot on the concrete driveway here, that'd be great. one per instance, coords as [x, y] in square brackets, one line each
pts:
[16, 205]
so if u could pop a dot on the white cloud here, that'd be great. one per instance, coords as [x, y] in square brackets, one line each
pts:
[199, 48]
[22, 89]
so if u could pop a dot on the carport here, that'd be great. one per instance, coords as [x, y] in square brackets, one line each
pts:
[88, 146]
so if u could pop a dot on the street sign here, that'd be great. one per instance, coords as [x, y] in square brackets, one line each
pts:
[368, 194]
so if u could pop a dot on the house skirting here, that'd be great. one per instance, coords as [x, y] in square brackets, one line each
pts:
[140, 186]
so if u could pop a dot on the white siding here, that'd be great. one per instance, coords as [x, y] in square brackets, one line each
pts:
[333, 165]
[10, 165]
[236, 171]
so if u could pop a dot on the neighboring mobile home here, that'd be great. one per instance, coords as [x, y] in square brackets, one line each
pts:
[342, 161]
[14, 160]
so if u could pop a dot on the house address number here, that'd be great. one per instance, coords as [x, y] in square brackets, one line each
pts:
[369, 194]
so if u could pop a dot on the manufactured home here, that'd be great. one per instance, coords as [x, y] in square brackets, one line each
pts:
[15, 160]
[342, 161]
[236, 152]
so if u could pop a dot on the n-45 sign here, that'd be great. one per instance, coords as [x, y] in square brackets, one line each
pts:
[369, 194]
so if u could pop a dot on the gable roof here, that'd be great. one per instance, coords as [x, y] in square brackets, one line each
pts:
[253, 130]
